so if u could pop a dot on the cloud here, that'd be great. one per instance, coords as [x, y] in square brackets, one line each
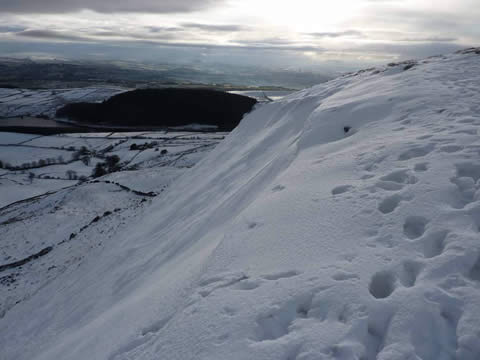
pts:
[166, 38]
[347, 33]
[378, 31]
[11, 29]
[50, 35]
[266, 42]
[157, 29]
[214, 28]
[160, 35]
[407, 51]
[97, 36]
[105, 6]
[430, 39]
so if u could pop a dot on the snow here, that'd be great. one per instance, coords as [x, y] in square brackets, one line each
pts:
[293, 238]
[18, 187]
[14, 138]
[17, 155]
[155, 172]
[28, 102]
[263, 96]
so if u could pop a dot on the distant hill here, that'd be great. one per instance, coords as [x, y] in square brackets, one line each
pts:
[163, 108]
[55, 74]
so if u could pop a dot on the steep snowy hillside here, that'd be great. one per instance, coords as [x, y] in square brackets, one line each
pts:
[341, 222]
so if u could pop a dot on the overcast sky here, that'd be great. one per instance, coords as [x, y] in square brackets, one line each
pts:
[297, 33]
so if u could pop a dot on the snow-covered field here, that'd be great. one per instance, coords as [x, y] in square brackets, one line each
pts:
[45, 163]
[341, 222]
[26, 102]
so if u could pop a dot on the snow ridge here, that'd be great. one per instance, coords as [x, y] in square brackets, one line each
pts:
[341, 222]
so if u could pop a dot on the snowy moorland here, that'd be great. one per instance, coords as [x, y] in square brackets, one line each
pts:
[341, 222]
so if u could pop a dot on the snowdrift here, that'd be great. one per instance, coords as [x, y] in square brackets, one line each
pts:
[341, 222]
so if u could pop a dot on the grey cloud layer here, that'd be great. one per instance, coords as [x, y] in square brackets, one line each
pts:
[214, 28]
[49, 35]
[104, 6]
[186, 32]
[347, 33]
[161, 38]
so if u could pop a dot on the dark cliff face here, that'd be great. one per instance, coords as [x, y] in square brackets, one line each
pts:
[164, 107]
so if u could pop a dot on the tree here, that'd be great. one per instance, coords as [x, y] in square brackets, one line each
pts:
[99, 170]
[83, 151]
[1, 164]
[71, 175]
[112, 163]
[31, 176]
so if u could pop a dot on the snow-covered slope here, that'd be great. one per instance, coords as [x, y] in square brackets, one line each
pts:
[294, 239]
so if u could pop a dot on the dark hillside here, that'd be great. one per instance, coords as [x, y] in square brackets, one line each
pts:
[164, 108]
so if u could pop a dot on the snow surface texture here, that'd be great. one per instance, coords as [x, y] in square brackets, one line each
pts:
[294, 239]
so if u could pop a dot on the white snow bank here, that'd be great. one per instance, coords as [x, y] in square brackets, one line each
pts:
[295, 239]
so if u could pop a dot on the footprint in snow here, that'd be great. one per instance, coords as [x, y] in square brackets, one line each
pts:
[416, 152]
[275, 322]
[401, 176]
[433, 244]
[465, 179]
[396, 180]
[421, 167]
[341, 189]
[390, 203]
[383, 283]
[409, 272]
[414, 226]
